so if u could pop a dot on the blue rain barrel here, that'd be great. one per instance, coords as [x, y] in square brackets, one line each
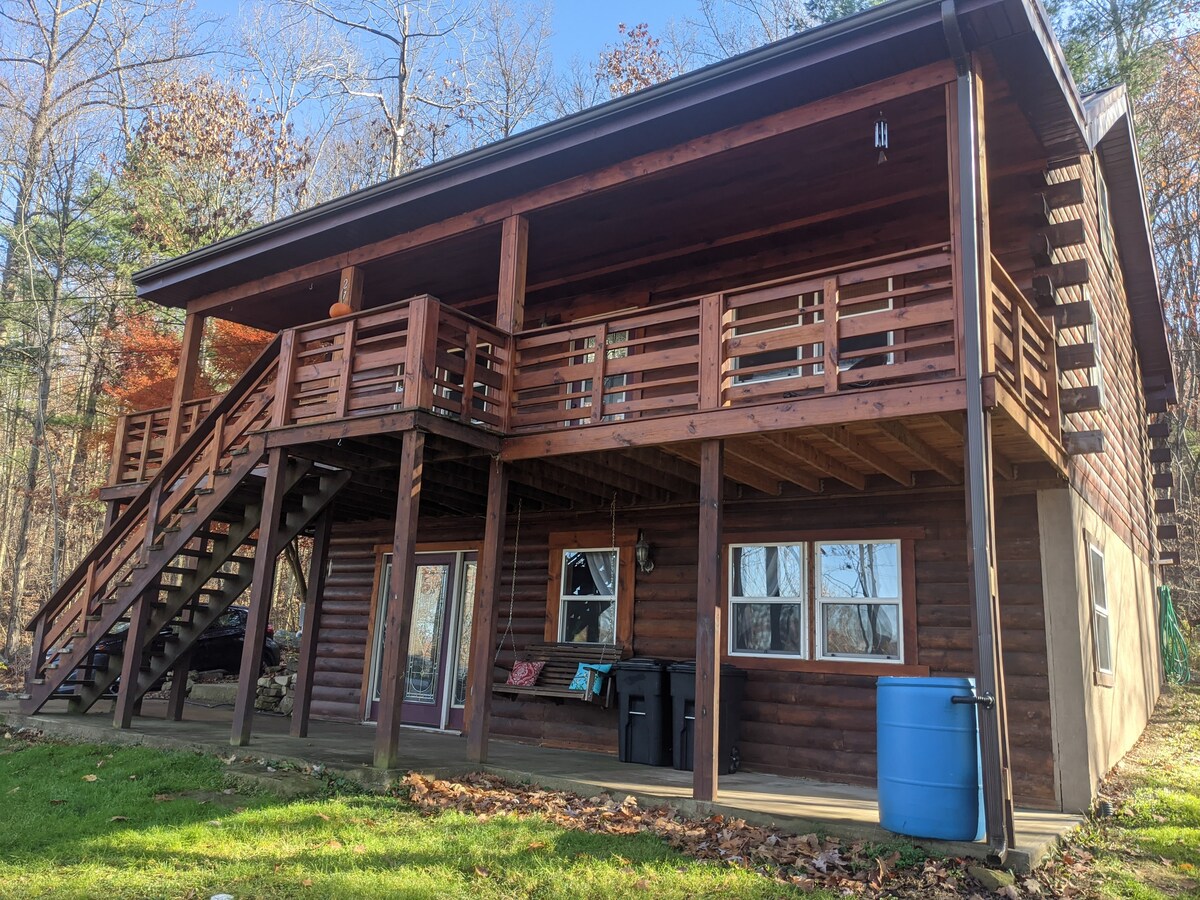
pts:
[930, 781]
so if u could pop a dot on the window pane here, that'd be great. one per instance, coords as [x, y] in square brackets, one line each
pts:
[861, 629]
[860, 570]
[768, 628]
[1096, 576]
[589, 573]
[1103, 643]
[768, 571]
[589, 621]
[464, 636]
[425, 636]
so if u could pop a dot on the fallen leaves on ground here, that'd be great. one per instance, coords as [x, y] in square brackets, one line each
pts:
[804, 861]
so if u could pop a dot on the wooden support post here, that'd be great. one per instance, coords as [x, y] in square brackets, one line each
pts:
[350, 289]
[708, 623]
[710, 351]
[131, 661]
[262, 585]
[420, 362]
[185, 379]
[483, 619]
[830, 298]
[311, 626]
[514, 261]
[179, 678]
[400, 600]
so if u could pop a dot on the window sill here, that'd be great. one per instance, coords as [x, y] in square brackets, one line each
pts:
[1103, 679]
[824, 666]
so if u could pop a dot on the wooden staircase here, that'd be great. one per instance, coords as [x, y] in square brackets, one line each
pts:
[177, 557]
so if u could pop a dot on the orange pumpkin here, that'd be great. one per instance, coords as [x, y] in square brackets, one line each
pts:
[340, 309]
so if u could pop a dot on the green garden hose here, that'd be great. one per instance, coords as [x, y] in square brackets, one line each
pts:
[1176, 659]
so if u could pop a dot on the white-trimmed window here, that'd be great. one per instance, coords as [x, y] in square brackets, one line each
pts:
[1101, 626]
[819, 601]
[768, 588]
[859, 604]
[588, 590]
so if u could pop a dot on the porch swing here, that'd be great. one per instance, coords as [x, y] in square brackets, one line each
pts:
[564, 664]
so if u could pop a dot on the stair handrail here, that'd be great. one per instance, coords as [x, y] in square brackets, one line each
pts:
[183, 456]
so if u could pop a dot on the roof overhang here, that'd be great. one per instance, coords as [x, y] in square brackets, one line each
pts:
[894, 37]
[1111, 135]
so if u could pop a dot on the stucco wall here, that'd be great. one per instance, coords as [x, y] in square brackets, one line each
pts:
[1094, 723]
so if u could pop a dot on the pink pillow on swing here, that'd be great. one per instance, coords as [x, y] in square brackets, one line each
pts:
[525, 674]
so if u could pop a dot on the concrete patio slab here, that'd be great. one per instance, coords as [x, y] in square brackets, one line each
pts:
[793, 804]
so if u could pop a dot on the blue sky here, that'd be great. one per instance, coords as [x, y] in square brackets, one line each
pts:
[582, 27]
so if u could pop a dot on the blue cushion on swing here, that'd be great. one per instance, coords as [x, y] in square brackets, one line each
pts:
[588, 671]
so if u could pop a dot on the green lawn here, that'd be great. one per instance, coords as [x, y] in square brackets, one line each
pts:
[1150, 849]
[155, 824]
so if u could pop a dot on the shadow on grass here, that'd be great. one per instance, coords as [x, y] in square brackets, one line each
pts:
[155, 823]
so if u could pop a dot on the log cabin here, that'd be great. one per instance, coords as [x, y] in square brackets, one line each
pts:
[834, 360]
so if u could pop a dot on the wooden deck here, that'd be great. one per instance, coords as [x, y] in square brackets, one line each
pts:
[796, 804]
[842, 368]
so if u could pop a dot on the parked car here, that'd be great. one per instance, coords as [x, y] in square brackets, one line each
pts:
[219, 648]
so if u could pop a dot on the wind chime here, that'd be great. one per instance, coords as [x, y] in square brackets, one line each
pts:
[881, 137]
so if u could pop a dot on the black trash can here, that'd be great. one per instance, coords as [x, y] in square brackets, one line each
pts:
[683, 709]
[643, 735]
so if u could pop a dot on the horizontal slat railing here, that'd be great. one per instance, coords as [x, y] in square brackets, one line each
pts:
[189, 473]
[141, 439]
[1021, 351]
[635, 365]
[416, 354]
[886, 321]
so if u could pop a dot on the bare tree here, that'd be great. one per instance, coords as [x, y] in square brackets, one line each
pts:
[64, 59]
[411, 65]
[513, 75]
[291, 59]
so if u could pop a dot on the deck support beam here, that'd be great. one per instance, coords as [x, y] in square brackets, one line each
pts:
[483, 619]
[400, 600]
[968, 189]
[185, 378]
[311, 625]
[706, 724]
[262, 586]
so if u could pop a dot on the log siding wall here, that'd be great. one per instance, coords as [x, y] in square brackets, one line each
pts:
[1116, 483]
[819, 725]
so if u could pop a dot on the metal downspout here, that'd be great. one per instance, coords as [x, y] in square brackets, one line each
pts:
[991, 708]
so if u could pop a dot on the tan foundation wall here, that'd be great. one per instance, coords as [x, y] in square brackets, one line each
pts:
[1095, 721]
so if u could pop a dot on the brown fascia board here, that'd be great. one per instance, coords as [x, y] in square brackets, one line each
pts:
[893, 37]
[1111, 135]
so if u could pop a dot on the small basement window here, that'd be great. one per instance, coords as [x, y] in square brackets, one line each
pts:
[1101, 625]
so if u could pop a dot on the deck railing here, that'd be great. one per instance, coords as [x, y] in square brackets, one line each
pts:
[414, 354]
[1020, 350]
[141, 439]
[888, 321]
